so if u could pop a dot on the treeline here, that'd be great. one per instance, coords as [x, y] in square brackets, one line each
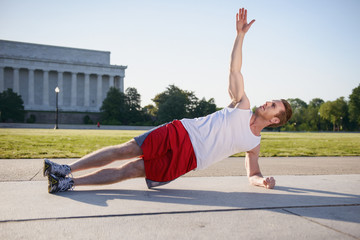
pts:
[120, 108]
[174, 103]
[318, 115]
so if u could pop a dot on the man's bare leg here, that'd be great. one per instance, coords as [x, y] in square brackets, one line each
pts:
[107, 155]
[58, 182]
[129, 170]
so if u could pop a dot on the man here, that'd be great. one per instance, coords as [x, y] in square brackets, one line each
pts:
[171, 150]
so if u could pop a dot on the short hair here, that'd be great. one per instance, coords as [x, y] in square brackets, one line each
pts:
[284, 116]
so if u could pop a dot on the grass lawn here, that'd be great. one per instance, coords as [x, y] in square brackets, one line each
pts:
[49, 143]
[309, 144]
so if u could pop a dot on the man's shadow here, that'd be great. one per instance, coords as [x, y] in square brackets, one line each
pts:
[289, 197]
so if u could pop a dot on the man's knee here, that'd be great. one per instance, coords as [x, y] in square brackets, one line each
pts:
[135, 168]
[130, 148]
[135, 148]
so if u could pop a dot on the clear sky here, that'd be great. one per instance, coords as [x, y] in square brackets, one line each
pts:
[295, 49]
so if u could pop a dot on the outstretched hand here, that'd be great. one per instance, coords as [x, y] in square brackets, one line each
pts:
[241, 21]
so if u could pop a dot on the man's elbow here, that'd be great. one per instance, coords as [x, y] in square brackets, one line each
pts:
[235, 96]
[236, 74]
[236, 86]
[235, 70]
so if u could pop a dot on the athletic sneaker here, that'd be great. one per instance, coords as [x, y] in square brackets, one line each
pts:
[59, 184]
[56, 169]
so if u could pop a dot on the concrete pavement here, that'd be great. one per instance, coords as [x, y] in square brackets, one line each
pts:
[26, 169]
[192, 207]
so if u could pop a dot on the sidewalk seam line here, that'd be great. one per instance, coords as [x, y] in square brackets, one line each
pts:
[35, 175]
[321, 224]
[175, 212]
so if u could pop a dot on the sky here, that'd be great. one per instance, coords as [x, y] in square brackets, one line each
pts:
[296, 49]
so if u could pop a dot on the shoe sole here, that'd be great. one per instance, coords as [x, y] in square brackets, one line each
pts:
[47, 168]
[51, 181]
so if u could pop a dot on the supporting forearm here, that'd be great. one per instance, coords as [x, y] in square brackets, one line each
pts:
[257, 180]
[252, 168]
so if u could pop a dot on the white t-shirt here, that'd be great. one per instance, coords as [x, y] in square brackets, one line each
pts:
[220, 135]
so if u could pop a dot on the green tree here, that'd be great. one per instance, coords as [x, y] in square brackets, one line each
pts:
[124, 108]
[326, 112]
[150, 110]
[175, 103]
[354, 107]
[313, 119]
[343, 113]
[133, 101]
[11, 106]
[316, 103]
[172, 104]
[335, 112]
[298, 119]
[204, 107]
[114, 109]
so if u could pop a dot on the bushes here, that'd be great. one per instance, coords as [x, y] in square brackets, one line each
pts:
[31, 119]
[87, 120]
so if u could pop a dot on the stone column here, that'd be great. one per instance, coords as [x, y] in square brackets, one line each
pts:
[87, 90]
[16, 80]
[46, 88]
[73, 89]
[61, 87]
[99, 91]
[111, 81]
[2, 81]
[122, 84]
[31, 87]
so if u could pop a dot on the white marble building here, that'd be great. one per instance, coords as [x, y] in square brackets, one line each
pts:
[34, 71]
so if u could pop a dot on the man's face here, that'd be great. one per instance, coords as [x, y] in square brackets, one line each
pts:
[270, 109]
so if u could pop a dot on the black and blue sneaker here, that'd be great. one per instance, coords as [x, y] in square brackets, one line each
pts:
[56, 169]
[59, 184]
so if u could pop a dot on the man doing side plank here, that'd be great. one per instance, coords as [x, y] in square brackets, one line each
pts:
[171, 150]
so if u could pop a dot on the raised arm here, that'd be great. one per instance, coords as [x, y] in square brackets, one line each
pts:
[253, 170]
[236, 81]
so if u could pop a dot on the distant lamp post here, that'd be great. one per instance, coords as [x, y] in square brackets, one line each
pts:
[57, 90]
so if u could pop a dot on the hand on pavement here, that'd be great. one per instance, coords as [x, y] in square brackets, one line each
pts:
[269, 182]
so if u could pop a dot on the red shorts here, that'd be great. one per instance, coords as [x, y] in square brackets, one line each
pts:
[167, 153]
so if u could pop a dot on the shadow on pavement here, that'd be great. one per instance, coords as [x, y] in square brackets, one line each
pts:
[226, 201]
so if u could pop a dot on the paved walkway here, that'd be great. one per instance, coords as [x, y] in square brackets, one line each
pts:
[193, 207]
[27, 169]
